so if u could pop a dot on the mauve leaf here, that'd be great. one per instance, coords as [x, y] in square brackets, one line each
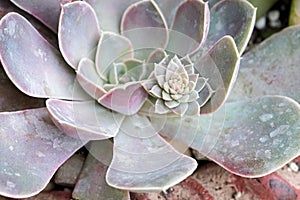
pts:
[31, 150]
[33, 65]
[47, 11]
[50, 36]
[192, 19]
[12, 99]
[168, 9]
[143, 161]
[251, 139]
[112, 48]
[89, 79]
[220, 66]
[232, 17]
[145, 26]
[91, 183]
[84, 120]
[126, 99]
[271, 68]
[78, 32]
[109, 12]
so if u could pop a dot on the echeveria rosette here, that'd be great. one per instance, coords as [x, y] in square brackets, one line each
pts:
[117, 51]
[176, 87]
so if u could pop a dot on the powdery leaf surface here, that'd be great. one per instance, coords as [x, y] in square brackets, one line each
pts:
[271, 68]
[253, 138]
[47, 11]
[78, 32]
[31, 150]
[39, 71]
[143, 161]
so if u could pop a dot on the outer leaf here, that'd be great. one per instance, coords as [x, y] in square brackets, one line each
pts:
[12, 99]
[168, 9]
[232, 17]
[271, 68]
[257, 137]
[144, 25]
[110, 15]
[112, 48]
[143, 161]
[220, 66]
[89, 79]
[192, 19]
[126, 99]
[31, 150]
[91, 183]
[78, 32]
[35, 67]
[85, 120]
[47, 11]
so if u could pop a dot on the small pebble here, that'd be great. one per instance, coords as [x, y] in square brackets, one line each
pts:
[274, 15]
[294, 167]
[261, 23]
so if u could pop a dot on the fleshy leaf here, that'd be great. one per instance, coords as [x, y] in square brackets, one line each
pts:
[220, 66]
[145, 26]
[31, 150]
[143, 161]
[109, 16]
[12, 99]
[126, 99]
[271, 68]
[232, 17]
[47, 11]
[168, 9]
[91, 183]
[78, 32]
[253, 138]
[85, 120]
[33, 65]
[112, 48]
[89, 79]
[192, 19]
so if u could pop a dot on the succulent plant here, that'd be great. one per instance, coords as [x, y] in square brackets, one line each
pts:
[138, 72]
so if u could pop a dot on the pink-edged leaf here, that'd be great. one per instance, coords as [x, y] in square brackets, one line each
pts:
[192, 20]
[143, 161]
[144, 25]
[126, 99]
[91, 183]
[168, 9]
[252, 138]
[89, 79]
[12, 99]
[33, 65]
[232, 17]
[78, 32]
[112, 48]
[47, 11]
[50, 36]
[109, 12]
[271, 68]
[220, 66]
[31, 150]
[85, 120]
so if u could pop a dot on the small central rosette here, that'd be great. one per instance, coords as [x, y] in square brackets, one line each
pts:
[176, 87]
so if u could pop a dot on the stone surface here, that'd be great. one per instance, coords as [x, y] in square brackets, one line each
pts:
[68, 173]
[53, 195]
[91, 184]
[189, 189]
